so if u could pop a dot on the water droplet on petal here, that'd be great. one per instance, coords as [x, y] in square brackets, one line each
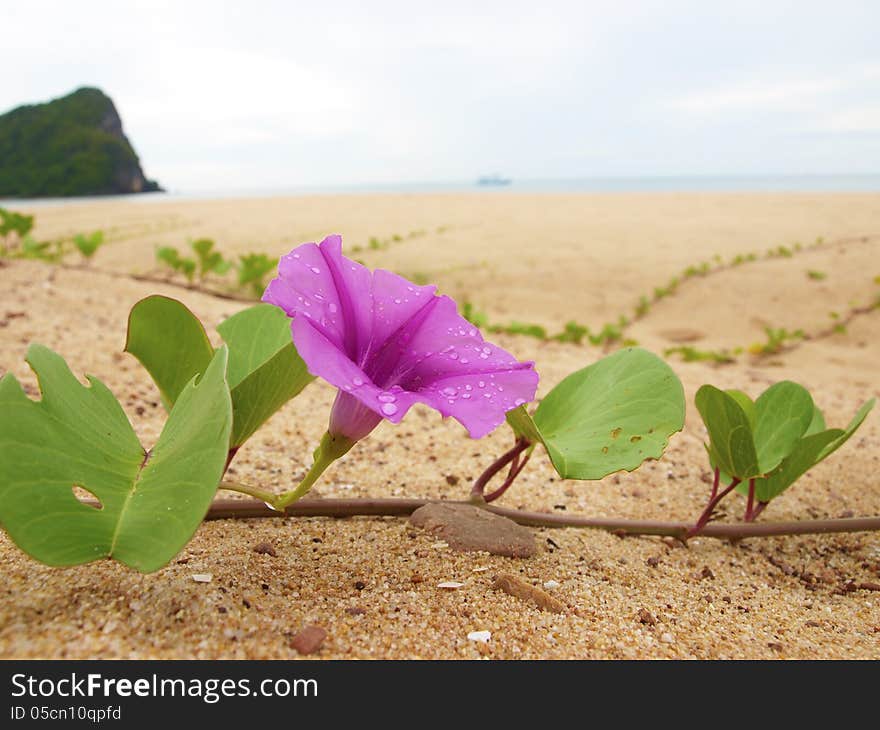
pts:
[487, 350]
[468, 387]
[448, 391]
[296, 255]
[332, 307]
[482, 384]
[464, 361]
[385, 398]
[397, 301]
[465, 395]
[453, 356]
[315, 269]
[389, 409]
[518, 402]
[357, 381]
[500, 388]
[472, 333]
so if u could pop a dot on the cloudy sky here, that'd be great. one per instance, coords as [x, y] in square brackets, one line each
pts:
[264, 94]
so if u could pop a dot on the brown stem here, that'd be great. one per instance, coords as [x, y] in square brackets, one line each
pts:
[750, 503]
[496, 466]
[241, 508]
[759, 509]
[515, 468]
[704, 518]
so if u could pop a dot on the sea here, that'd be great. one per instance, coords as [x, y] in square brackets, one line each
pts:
[696, 183]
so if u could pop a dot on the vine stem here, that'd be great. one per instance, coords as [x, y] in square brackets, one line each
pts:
[703, 521]
[399, 507]
[750, 503]
[509, 457]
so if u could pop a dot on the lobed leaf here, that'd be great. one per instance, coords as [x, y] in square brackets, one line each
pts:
[169, 342]
[264, 372]
[150, 502]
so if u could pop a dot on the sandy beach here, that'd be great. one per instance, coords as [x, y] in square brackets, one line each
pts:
[372, 582]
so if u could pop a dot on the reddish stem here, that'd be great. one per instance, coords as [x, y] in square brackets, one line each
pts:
[710, 508]
[759, 509]
[516, 467]
[750, 503]
[715, 483]
[506, 458]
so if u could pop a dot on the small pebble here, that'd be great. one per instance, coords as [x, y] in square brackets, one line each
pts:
[202, 577]
[646, 617]
[265, 548]
[439, 545]
[551, 584]
[481, 636]
[309, 640]
[667, 638]
[450, 585]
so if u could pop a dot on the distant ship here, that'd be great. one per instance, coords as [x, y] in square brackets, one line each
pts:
[493, 180]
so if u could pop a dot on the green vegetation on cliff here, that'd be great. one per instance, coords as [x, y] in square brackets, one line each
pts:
[69, 146]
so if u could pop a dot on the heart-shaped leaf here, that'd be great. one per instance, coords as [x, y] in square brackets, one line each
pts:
[607, 417]
[265, 370]
[731, 444]
[150, 502]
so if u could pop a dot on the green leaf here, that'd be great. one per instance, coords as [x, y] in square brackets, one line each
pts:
[731, 444]
[87, 245]
[610, 416]
[817, 424]
[802, 458]
[854, 424]
[77, 436]
[809, 451]
[170, 343]
[784, 412]
[747, 404]
[265, 370]
[523, 426]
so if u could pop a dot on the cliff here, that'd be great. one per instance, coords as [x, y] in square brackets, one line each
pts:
[69, 146]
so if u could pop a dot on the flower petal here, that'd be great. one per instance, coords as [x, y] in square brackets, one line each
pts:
[395, 302]
[480, 401]
[334, 292]
[324, 359]
[389, 343]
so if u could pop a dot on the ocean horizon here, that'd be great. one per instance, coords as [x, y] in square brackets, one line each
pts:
[622, 184]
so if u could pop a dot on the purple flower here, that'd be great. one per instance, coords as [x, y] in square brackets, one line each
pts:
[387, 343]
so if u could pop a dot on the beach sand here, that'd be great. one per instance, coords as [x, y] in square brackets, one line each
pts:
[372, 582]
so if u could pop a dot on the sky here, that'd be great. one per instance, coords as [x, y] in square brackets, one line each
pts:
[262, 94]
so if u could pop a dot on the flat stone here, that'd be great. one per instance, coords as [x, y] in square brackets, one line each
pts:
[467, 528]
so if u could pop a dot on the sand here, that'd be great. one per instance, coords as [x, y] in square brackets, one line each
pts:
[372, 584]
